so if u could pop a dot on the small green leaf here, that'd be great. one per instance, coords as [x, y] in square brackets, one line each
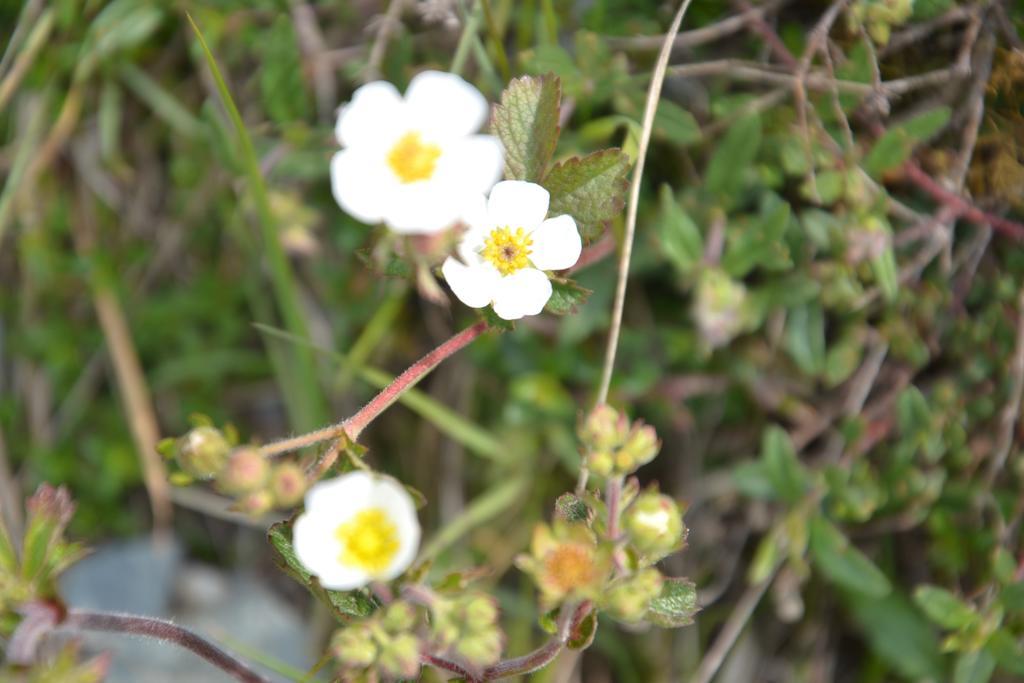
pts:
[896, 144]
[570, 508]
[583, 635]
[943, 608]
[843, 564]
[974, 667]
[675, 124]
[680, 237]
[566, 297]
[675, 606]
[1007, 652]
[886, 274]
[591, 189]
[733, 156]
[343, 604]
[1012, 597]
[526, 121]
[899, 635]
[805, 338]
[788, 477]
[751, 478]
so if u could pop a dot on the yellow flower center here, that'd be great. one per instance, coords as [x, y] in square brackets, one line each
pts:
[569, 566]
[412, 159]
[369, 541]
[506, 250]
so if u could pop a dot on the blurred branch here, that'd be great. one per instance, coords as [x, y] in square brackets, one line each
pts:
[388, 23]
[167, 632]
[698, 36]
[37, 39]
[127, 369]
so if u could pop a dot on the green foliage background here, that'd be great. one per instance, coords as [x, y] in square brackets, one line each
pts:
[853, 438]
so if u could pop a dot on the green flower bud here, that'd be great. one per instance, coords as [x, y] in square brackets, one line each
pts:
[601, 463]
[287, 484]
[654, 525]
[354, 646]
[603, 429]
[246, 472]
[720, 307]
[480, 611]
[256, 503]
[399, 655]
[202, 452]
[641, 446]
[399, 616]
[482, 648]
[628, 600]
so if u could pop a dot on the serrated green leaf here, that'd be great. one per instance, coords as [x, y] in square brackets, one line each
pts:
[571, 508]
[943, 608]
[343, 604]
[787, 475]
[843, 564]
[591, 189]
[680, 237]
[526, 121]
[732, 157]
[675, 606]
[566, 297]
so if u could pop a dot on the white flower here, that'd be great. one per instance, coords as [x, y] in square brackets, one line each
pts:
[507, 248]
[356, 528]
[412, 162]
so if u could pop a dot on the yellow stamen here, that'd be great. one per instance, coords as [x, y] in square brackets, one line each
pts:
[412, 159]
[506, 250]
[369, 541]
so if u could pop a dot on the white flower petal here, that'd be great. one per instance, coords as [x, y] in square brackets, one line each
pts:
[474, 285]
[518, 204]
[475, 163]
[376, 110]
[522, 293]
[341, 496]
[361, 184]
[444, 105]
[423, 208]
[317, 548]
[556, 244]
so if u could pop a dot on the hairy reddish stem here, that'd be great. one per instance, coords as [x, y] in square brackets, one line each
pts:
[167, 632]
[354, 425]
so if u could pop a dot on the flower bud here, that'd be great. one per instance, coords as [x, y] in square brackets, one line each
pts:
[256, 503]
[603, 429]
[482, 648]
[399, 655]
[202, 452]
[654, 525]
[601, 463]
[246, 471]
[354, 646]
[720, 307]
[287, 484]
[628, 600]
[641, 446]
[399, 616]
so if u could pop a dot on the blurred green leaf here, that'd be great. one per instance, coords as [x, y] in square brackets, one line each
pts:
[805, 338]
[842, 563]
[787, 475]
[733, 156]
[899, 635]
[974, 667]
[896, 144]
[526, 121]
[1007, 651]
[944, 608]
[680, 237]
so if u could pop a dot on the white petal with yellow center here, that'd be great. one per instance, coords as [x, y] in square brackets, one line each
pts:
[411, 163]
[356, 528]
[502, 256]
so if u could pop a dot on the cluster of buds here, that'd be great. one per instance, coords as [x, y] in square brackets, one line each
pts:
[383, 646]
[613, 446]
[242, 472]
[654, 526]
[467, 627]
[879, 17]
